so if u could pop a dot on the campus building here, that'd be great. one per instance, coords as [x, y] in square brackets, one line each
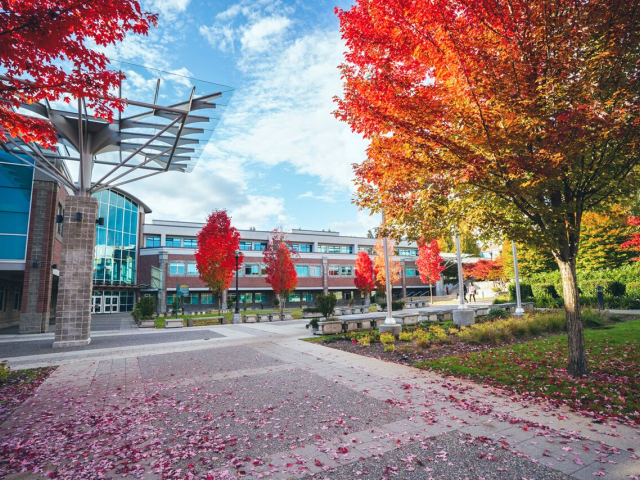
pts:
[32, 228]
[325, 263]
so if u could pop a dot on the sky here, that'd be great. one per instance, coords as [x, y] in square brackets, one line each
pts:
[277, 157]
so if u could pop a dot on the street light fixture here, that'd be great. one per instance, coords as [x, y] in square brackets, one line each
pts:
[237, 254]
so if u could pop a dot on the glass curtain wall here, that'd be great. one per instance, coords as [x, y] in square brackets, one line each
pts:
[16, 180]
[115, 251]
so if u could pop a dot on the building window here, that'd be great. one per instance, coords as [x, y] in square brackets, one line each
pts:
[252, 270]
[191, 268]
[335, 248]
[246, 245]
[315, 270]
[346, 271]
[302, 270]
[17, 298]
[334, 270]
[305, 248]
[246, 297]
[206, 298]
[410, 272]
[369, 250]
[347, 295]
[176, 268]
[259, 246]
[173, 242]
[259, 297]
[322, 248]
[193, 298]
[190, 243]
[171, 299]
[153, 242]
[407, 252]
[307, 297]
[294, 297]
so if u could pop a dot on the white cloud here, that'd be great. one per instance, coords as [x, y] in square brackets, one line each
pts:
[168, 8]
[323, 198]
[362, 222]
[259, 36]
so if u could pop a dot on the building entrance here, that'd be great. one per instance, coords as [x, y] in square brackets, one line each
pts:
[111, 302]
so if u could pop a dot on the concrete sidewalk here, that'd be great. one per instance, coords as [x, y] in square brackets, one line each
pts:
[257, 402]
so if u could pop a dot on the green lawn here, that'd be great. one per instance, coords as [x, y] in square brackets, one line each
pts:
[537, 370]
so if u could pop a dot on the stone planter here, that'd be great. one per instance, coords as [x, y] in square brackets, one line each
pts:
[173, 323]
[147, 323]
[329, 327]
[261, 317]
[250, 319]
[287, 316]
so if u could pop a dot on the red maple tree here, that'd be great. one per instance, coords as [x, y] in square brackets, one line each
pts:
[365, 279]
[47, 52]
[279, 266]
[634, 239]
[483, 270]
[510, 116]
[215, 256]
[430, 264]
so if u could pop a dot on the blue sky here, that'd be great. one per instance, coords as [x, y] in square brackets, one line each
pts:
[278, 157]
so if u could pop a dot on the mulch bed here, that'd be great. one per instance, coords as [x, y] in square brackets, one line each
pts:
[19, 386]
[408, 354]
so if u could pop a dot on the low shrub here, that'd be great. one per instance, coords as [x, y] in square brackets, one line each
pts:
[547, 301]
[395, 305]
[437, 334]
[311, 310]
[144, 309]
[592, 318]
[365, 341]
[616, 289]
[423, 342]
[405, 337]
[633, 289]
[503, 330]
[387, 338]
[390, 347]
[419, 333]
[500, 299]
[495, 313]
[326, 304]
[4, 371]
[526, 293]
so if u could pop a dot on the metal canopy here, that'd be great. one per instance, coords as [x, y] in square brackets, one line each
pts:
[146, 139]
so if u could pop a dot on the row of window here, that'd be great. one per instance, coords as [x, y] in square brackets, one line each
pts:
[208, 298]
[335, 248]
[259, 269]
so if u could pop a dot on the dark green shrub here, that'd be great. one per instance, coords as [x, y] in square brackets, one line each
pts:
[144, 309]
[326, 304]
[500, 299]
[395, 305]
[547, 301]
[541, 289]
[616, 289]
[497, 313]
[526, 293]
[311, 310]
[593, 318]
[633, 289]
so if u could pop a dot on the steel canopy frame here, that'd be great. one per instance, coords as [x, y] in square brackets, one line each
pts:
[159, 139]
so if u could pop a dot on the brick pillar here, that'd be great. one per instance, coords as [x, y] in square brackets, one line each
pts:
[325, 276]
[73, 316]
[163, 262]
[38, 275]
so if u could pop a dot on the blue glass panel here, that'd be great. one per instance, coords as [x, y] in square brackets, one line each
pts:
[103, 210]
[14, 222]
[134, 223]
[111, 238]
[12, 247]
[15, 200]
[127, 221]
[113, 198]
[15, 176]
[134, 207]
[120, 201]
[119, 219]
[127, 204]
[118, 236]
[111, 223]
[5, 157]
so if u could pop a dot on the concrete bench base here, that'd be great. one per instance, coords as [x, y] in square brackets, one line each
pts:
[173, 323]
[204, 321]
[330, 327]
[147, 324]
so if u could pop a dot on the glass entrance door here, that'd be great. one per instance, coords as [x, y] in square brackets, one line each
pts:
[114, 304]
[107, 304]
[96, 303]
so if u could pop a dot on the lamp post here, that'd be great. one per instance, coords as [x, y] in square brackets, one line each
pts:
[462, 316]
[237, 318]
[519, 310]
[389, 324]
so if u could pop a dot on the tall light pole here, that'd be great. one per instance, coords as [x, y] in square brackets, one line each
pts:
[462, 316]
[389, 322]
[519, 310]
[237, 318]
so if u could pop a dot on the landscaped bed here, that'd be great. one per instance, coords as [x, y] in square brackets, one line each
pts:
[530, 360]
[17, 386]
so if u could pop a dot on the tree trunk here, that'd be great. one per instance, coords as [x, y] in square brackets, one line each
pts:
[575, 332]
[282, 304]
[367, 299]
[431, 294]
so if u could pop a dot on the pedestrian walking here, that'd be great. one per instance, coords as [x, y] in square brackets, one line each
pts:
[472, 292]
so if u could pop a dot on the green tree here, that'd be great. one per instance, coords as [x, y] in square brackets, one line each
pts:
[601, 239]
[531, 260]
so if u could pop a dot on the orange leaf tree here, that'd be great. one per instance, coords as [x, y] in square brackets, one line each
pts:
[634, 239]
[365, 277]
[215, 256]
[378, 264]
[430, 263]
[279, 266]
[47, 52]
[513, 116]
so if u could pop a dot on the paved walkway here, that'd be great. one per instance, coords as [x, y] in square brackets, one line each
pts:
[255, 401]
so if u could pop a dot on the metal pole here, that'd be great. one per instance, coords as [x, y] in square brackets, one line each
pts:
[461, 303]
[237, 296]
[519, 310]
[389, 320]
